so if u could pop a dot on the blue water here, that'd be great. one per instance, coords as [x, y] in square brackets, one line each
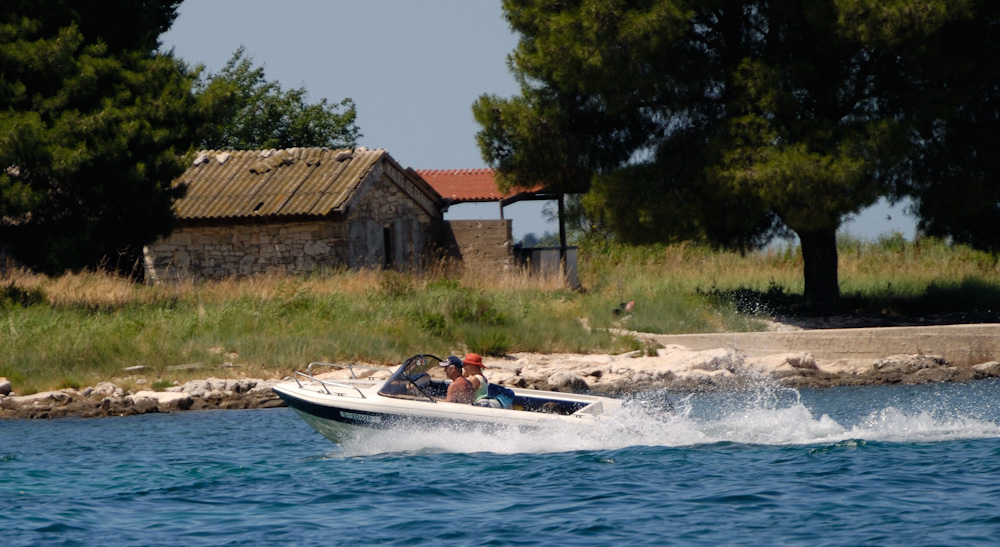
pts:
[900, 465]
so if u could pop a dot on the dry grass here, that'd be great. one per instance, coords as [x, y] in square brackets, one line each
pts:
[614, 271]
[101, 290]
[890, 275]
[81, 328]
[485, 277]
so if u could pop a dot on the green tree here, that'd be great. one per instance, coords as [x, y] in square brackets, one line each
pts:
[727, 120]
[952, 172]
[260, 115]
[93, 124]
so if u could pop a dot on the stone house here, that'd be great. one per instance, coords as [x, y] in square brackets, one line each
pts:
[295, 211]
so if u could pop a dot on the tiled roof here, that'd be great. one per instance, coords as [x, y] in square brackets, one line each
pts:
[463, 185]
[293, 181]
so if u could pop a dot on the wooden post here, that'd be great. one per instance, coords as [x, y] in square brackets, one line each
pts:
[562, 237]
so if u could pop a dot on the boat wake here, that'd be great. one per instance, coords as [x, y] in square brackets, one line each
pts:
[764, 416]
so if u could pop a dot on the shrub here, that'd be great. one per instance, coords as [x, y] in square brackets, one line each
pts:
[12, 295]
[476, 308]
[487, 341]
[160, 385]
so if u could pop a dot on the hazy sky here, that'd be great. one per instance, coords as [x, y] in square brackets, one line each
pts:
[413, 69]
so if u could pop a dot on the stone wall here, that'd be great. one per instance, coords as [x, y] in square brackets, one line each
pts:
[483, 242]
[215, 252]
[390, 212]
[384, 214]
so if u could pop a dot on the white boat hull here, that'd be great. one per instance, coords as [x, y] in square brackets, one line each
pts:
[337, 408]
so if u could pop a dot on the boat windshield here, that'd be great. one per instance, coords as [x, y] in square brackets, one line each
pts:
[419, 377]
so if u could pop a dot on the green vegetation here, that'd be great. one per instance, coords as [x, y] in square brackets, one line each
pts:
[795, 113]
[94, 126]
[96, 123]
[80, 329]
[262, 115]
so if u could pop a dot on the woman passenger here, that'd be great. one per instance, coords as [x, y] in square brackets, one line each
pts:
[474, 366]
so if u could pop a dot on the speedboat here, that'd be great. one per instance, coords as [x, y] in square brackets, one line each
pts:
[413, 396]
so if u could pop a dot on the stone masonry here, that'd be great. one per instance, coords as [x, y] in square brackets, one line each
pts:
[483, 242]
[384, 214]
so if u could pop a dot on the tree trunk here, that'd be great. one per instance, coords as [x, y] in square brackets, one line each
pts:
[819, 254]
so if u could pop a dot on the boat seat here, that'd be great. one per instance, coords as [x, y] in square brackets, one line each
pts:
[550, 406]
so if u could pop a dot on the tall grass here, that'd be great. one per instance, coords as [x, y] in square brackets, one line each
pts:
[79, 329]
[889, 276]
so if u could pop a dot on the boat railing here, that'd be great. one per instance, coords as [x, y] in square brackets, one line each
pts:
[348, 366]
[327, 384]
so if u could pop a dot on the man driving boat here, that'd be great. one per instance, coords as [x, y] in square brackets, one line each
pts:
[460, 390]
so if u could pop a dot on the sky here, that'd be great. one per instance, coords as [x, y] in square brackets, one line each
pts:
[413, 69]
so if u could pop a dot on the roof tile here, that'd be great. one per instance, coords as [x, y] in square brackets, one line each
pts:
[462, 185]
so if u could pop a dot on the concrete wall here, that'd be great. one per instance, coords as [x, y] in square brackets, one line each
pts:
[959, 344]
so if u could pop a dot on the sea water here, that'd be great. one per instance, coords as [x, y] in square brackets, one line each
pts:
[890, 465]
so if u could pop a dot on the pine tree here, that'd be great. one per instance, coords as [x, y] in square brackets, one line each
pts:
[93, 126]
[727, 120]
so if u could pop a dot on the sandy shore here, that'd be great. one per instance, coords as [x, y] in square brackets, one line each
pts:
[788, 354]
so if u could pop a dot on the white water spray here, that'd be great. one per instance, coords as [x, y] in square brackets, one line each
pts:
[764, 415]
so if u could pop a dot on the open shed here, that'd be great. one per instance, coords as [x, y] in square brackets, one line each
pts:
[457, 186]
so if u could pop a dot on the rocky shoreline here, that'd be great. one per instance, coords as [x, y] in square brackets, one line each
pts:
[107, 399]
[672, 367]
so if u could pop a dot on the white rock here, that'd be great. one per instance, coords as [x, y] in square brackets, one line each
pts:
[107, 388]
[163, 400]
[783, 363]
[909, 363]
[642, 377]
[702, 375]
[196, 388]
[242, 386]
[715, 359]
[37, 399]
[568, 380]
[990, 368]
[265, 385]
[220, 384]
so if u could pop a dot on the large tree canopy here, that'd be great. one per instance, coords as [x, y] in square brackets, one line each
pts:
[729, 119]
[93, 124]
[261, 115]
[953, 170]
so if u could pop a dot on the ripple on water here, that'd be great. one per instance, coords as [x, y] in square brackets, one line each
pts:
[861, 466]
